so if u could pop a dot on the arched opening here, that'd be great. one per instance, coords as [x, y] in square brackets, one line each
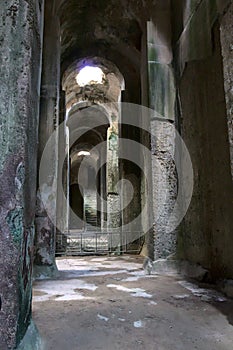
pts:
[84, 160]
[93, 88]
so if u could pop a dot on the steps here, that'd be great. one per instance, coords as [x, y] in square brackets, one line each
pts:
[90, 210]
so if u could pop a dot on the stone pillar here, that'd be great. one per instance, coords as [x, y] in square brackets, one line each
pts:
[103, 191]
[113, 197]
[162, 95]
[44, 264]
[62, 215]
[146, 180]
[226, 30]
[21, 24]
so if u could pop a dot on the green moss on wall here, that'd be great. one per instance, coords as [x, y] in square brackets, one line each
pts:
[15, 222]
[25, 286]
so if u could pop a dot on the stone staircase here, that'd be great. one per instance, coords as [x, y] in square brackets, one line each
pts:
[90, 209]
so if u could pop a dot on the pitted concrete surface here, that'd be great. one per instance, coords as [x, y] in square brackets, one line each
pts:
[109, 303]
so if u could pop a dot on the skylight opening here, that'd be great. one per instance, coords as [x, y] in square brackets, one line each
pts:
[90, 76]
[84, 153]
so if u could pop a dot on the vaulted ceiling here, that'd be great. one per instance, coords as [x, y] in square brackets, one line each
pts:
[104, 28]
[109, 29]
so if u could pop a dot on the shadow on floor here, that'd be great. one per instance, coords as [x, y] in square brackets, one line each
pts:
[226, 308]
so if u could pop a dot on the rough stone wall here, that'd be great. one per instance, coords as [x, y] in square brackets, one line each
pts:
[195, 41]
[226, 29]
[207, 234]
[20, 39]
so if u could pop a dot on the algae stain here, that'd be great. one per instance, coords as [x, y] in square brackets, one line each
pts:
[15, 223]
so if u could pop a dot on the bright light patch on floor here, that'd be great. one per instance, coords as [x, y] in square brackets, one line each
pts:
[139, 324]
[103, 318]
[135, 292]
[63, 290]
[90, 75]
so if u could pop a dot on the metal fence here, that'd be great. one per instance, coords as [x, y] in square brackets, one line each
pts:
[98, 242]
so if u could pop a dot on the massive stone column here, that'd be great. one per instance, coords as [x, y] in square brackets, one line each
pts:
[20, 57]
[162, 96]
[113, 198]
[226, 30]
[44, 264]
[113, 176]
[146, 181]
[62, 179]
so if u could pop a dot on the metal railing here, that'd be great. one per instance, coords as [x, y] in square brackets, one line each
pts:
[96, 242]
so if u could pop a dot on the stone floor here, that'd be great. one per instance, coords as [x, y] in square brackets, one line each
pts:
[109, 303]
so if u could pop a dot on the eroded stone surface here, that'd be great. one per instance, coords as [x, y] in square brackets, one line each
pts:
[20, 33]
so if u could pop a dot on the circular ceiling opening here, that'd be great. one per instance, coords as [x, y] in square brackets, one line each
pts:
[84, 153]
[90, 76]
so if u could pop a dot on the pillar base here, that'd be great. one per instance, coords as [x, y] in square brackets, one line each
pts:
[32, 339]
[45, 271]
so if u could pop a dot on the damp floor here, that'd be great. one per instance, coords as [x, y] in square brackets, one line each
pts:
[109, 303]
